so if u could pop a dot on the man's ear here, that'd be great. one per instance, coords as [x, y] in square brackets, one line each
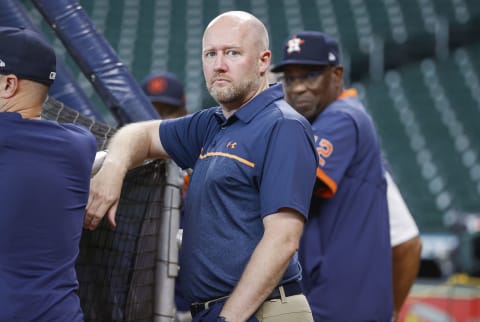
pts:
[338, 71]
[8, 85]
[265, 58]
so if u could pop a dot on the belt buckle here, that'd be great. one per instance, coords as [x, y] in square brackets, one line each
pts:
[196, 308]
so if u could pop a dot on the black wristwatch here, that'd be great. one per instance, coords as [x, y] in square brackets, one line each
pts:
[221, 319]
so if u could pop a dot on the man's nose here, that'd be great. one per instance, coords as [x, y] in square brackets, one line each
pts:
[219, 64]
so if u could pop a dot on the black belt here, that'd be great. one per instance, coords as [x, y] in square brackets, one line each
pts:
[290, 288]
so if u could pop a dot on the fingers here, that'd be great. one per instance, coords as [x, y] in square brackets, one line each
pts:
[100, 202]
[94, 214]
[105, 190]
[111, 215]
[92, 221]
[96, 210]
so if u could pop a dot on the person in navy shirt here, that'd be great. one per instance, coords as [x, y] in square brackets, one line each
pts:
[254, 162]
[345, 250]
[45, 172]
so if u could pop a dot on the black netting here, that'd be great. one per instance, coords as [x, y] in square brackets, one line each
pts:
[56, 110]
[116, 268]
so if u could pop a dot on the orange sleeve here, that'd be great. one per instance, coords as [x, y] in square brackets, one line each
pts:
[328, 188]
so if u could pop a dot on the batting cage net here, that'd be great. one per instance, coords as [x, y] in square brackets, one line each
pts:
[116, 267]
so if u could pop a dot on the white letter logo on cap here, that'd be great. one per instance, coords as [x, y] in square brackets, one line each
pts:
[2, 63]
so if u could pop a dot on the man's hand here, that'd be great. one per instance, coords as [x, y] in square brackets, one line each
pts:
[130, 146]
[105, 189]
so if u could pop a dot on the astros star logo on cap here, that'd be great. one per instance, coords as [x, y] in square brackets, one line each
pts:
[157, 85]
[294, 44]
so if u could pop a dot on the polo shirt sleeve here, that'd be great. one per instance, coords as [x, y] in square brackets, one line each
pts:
[85, 142]
[182, 138]
[336, 144]
[288, 173]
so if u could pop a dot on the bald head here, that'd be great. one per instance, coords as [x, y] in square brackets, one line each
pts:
[244, 22]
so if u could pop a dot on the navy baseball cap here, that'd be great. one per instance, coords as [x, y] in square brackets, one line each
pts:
[164, 88]
[25, 54]
[309, 48]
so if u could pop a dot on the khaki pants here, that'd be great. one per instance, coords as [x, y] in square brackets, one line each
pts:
[287, 309]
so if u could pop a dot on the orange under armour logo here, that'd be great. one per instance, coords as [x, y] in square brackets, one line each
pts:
[231, 145]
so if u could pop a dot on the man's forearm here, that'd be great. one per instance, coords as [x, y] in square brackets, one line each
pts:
[406, 262]
[260, 277]
[132, 144]
[262, 274]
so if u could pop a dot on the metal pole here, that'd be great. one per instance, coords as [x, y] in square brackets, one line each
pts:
[167, 257]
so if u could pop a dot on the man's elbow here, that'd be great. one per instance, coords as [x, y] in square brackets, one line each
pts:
[411, 248]
[416, 246]
[286, 242]
[291, 245]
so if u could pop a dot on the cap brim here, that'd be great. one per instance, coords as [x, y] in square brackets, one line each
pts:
[166, 100]
[279, 68]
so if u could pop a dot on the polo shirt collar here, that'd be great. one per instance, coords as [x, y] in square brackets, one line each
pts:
[11, 115]
[248, 111]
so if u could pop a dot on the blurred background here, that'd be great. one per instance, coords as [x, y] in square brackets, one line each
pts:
[416, 64]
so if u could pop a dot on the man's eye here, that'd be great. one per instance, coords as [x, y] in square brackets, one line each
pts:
[289, 79]
[232, 53]
[210, 54]
[312, 75]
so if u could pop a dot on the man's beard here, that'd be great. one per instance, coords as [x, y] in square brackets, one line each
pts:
[233, 93]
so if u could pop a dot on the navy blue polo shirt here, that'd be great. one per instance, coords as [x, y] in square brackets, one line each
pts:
[245, 167]
[345, 249]
[45, 172]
